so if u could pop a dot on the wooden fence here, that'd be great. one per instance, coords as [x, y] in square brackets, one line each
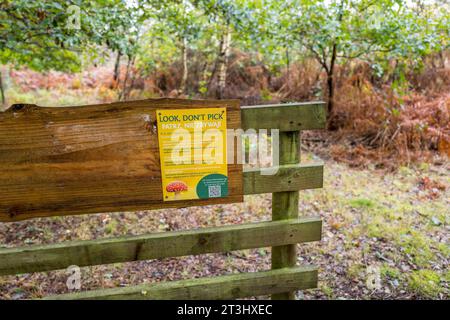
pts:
[282, 233]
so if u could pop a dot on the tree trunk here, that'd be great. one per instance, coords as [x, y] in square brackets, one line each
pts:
[185, 66]
[330, 82]
[127, 89]
[122, 93]
[330, 87]
[442, 58]
[331, 74]
[203, 84]
[117, 68]
[213, 75]
[223, 63]
[288, 67]
[125, 93]
[2, 90]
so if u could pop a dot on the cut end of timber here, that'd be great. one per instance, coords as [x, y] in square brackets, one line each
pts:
[21, 107]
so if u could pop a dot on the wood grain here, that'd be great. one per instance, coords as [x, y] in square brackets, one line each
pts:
[285, 117]
[98, 158]
[285, 206]
[104, 158]
[291, 177]
[217, 288]
[158, 245]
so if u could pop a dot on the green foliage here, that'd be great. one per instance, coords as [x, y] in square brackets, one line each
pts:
[42, 58]
[170, 26]
[335, 32]
[46, 34]
[276, 33]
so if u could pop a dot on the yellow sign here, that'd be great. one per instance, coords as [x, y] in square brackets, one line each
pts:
[192, 150]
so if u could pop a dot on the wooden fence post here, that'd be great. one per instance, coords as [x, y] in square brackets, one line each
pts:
[285, 206]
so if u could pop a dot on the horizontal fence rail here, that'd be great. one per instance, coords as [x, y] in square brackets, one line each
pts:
[285, 117]
[287, 178]
[223, 287]
[292, 177]
[158, 245]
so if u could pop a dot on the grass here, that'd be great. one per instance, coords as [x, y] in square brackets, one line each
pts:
[327, 291]
[50, 98]
[61, 96]
[355, 270]
[419, 247]
[425, 283]
[362, 203]
[111, 227]
[390, 273]
[387, 219]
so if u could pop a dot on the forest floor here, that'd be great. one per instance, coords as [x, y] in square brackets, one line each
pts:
[385, 236]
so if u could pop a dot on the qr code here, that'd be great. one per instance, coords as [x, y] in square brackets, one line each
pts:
[214, 191]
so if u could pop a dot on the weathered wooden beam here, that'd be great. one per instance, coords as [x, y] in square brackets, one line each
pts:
[223, 287]
[285, 117]
[158, 245]
[291, 177]
[92, 159]
[287, 178]
[104, 158]
[285, 206]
